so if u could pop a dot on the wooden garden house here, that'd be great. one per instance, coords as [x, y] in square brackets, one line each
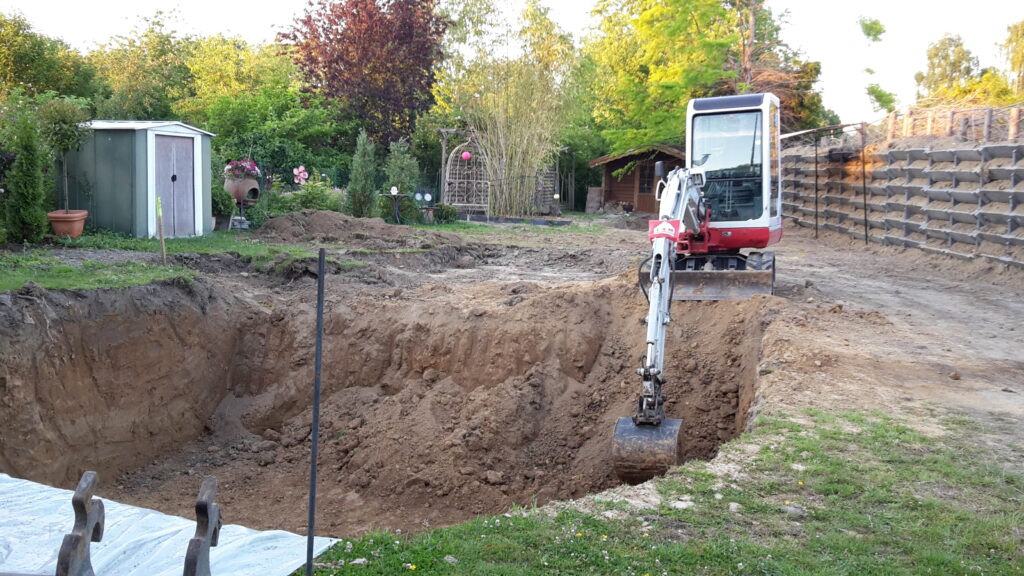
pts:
[628, 179]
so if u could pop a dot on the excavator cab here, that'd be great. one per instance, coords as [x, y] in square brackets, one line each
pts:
[728, 198]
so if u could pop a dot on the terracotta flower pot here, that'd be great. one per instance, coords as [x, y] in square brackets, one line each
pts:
[243, 189]
[68, 223]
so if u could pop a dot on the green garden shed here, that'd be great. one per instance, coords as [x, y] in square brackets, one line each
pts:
[123, 166]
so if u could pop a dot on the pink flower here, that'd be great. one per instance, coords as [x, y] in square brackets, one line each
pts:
[241, 169]
[300, 174]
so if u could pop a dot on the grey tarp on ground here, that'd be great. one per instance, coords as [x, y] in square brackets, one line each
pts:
[136, 542]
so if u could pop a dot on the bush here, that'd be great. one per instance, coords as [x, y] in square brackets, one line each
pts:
[257, 214]
[445, 214]
[407, 209]
[313, 195]
[23, 208]
[223, 202]
[338, 176]
[361, 198]
[318, 195]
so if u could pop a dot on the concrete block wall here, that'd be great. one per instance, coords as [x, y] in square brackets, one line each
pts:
[965, 202]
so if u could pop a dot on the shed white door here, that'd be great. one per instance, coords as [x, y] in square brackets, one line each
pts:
[175, 184]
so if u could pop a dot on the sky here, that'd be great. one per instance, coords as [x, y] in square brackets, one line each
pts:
[823, 30]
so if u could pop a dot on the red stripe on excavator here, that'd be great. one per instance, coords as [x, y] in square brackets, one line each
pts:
[736, 238]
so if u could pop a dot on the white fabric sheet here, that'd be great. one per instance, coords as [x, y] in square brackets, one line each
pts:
[136, 542]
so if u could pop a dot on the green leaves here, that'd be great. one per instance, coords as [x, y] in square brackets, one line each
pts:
[954, 74]
[39, 63]
[652, 58]
[361, 195]
[881, 99]
[872, 28]
[60, 120]
[23, 208]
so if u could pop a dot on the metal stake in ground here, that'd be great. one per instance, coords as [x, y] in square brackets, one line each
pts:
[315, 432]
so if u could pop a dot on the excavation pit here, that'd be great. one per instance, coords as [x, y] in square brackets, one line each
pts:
[444, 400]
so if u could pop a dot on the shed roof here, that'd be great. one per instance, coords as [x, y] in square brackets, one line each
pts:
[665, 148]
[140, 125]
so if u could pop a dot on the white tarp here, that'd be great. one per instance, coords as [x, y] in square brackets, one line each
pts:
[136, 542]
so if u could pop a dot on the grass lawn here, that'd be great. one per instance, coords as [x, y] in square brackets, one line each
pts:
[17, 269]
[220, 242]
[44, 268]
[824, 493]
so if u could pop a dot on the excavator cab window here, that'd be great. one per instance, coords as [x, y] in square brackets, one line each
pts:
[728, 147]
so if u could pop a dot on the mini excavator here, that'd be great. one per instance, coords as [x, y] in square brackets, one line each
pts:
[727, 198]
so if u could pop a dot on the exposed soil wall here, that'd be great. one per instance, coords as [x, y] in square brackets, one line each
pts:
[106, 379]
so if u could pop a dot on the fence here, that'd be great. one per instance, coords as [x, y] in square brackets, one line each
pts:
[965, 124]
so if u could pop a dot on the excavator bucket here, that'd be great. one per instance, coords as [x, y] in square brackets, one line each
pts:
[641, 452]
[721, 284]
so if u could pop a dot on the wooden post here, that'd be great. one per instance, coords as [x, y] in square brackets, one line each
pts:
[962, 129]
[949, 122]
[1014, 124]
[931, 122]
[892, 128]
[908, 124]
[160, 230]
[864, 175]
[987, 131]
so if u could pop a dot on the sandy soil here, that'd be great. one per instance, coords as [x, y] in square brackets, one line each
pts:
[461, 377]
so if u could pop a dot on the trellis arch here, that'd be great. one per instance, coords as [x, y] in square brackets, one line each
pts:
[466, 183]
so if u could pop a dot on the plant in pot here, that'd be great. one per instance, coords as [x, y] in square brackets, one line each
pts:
[62, 126]
[223, 206]
[240, 179]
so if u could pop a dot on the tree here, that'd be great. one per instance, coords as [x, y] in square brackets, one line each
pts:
[375, 58]
[951, 69]
[23, 209]
[579, 134]
[278, 129]
[954, 75]
[61, 121]
[145, 73]
[219, 66]
[39, 63]
[762, 62]
[514, 109]
[652, 58]
[361, 195]
[1013, 48]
